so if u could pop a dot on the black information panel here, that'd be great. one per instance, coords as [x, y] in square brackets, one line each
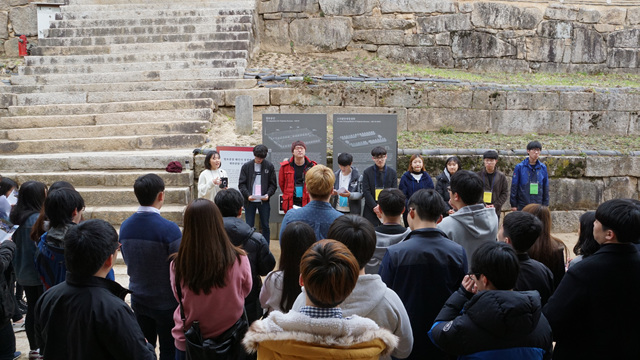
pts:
[279, 131]
[357, 134]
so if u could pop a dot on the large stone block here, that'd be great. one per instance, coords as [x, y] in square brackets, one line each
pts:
[11, 47]
[588, 16]
[620, 187]
[572, 194]
[599, 122]
[347, 7]
[517, 122]
[633, 15]
[624, 39]
[474, 44]
[634, 123]
[360, 96]
[260, 96]
[419, 40]
[555, 29]
[519, 100]
[453, 99]
[489, 100]
[577, 101]
[498, 65]
[616, 101]
[613, 16]
[403, 97]
[24, 20]
[4, 25]
[566, 221]
[606, 166]
[276, 35]
[439, 56]
[588, 46]
[417, 6]
[443, 23]
[546, 50]
[321, 34]
[561, 12]
[504, 16]
[545, 100]
[623, 58]
[565, 166]
[379, 37]
[381, 22]
[271, 6]
[318, 96]
[461, 120]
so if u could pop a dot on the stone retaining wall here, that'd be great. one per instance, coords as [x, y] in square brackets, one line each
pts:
[18, 17]
[481, 109]
[490, 36]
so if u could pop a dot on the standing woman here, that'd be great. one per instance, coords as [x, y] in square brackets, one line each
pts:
[548, 249]
[452, 165]
[8, 199]
[30, 200]
[210, 181]
[214, 276]
[414, 179]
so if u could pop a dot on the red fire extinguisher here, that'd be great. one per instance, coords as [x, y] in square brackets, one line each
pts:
[22, 45]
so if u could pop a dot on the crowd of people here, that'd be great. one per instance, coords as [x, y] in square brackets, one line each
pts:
[370, 267]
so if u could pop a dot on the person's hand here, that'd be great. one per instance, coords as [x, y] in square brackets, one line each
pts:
[469, 284]
[514, 209]
[334, 192]
[345, 194]
[251, 198]
[377, 211]
[489, 206]
[217, 181]
[266, 197]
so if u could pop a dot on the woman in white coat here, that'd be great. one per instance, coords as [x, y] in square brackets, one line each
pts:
[210, 181]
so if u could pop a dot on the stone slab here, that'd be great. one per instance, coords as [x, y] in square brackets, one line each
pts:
[600, 122]
[329, 96]
[517, 122]
[321, 34]
[433, 119]
[504, 16]
[417, 6]
[259, 96]
[402, 97]
[571, 194]
[606, 166]
[458, 99]
[620, 187]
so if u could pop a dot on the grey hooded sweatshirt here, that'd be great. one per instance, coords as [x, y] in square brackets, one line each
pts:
[371, 298]
[471, 226]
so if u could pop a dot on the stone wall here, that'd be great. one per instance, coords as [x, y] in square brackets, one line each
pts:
[493, 36]
[480, 109]
[17, 17]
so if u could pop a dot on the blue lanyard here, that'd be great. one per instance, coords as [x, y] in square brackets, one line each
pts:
[493, 181]
[375, 176]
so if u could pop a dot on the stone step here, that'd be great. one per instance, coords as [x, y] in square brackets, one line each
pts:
[114, 130]
[142, 66]
[138, 161]
[124, 196]
[202, 85]
[145, 30]
[102, 178]
[218, 97]
[115, 215]
[75, 109]
[87, 14]
[141, 48]
[134, 76]
[140, 39]
[155, 21]
[41, 121]
[134, 57]
[115, 143]
[103, 5]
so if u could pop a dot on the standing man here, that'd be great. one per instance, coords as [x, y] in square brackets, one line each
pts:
[376, 178]
[291, 177]
[594, 311]
[347, 192]
[147, 241]
[530, 183]
[85, 317]
[496, 187]
[424, 269]
[258, 183]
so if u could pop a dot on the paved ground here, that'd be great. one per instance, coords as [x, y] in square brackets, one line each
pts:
[121, 277]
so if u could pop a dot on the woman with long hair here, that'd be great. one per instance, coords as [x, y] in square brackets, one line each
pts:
[282, 287]
[452, 165]
[548, 249]
[30, 201]
[414, 179]
[210, 180]
[214, 275]
[41, 225]
[587, 244]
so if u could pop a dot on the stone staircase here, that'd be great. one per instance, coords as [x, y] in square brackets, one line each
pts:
[119, 88]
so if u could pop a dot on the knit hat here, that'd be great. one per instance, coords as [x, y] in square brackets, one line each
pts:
[298, 143]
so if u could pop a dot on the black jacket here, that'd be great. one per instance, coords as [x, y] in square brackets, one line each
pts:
[493, 324]
[7, 279]
[441, 188]
[260, 257]
[87, 318]
[269, 182]
[534, 275]
[372, 178]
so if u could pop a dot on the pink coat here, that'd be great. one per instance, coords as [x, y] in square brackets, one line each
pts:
[216, 311]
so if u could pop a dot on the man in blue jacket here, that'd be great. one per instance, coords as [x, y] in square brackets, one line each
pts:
[530, 183]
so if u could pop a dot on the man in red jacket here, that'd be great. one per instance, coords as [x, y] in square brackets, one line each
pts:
[291, 177]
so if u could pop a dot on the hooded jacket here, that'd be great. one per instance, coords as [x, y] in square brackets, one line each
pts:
[286, 180]
[471, 226]
[260, 257]
[384, 239]
[523, 175]
[494, 324]
[297, 336]
[372, 299]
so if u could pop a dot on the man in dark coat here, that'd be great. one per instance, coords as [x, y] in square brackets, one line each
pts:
[374, 179]
[495, 184]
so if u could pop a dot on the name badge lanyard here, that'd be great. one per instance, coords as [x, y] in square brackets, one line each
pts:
[375, 180]
[533, 186]
[488, 196]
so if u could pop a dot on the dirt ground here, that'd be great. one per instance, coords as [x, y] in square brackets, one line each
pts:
[120, 269]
